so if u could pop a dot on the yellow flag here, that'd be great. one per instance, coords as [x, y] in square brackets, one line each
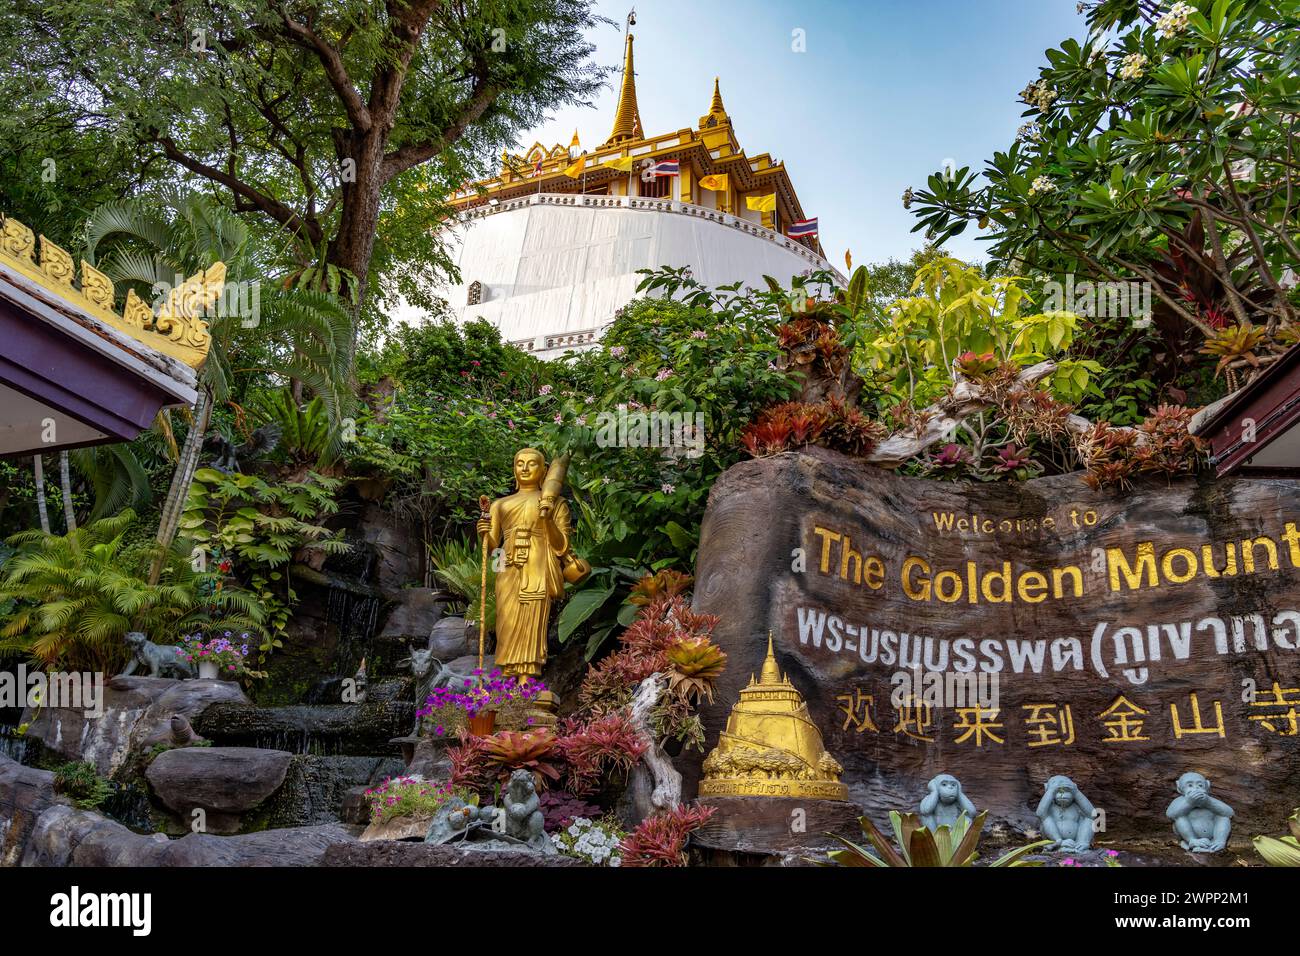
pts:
[574, 142]
[717, 182]
[848, 259]
[574, 171]
[623, 165]
[761, 203]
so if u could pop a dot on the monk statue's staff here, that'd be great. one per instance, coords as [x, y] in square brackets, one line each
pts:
[484, 513]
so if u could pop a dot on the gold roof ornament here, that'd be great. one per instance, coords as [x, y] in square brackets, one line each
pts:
[771, 747]
[627, 121]
[717, 114]
[177, 330]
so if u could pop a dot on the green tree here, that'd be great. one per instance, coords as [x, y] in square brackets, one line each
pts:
[296, 335]
[306, 113]
[1161, 149]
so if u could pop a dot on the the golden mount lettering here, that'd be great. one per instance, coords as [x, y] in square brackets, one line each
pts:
[1133, 567]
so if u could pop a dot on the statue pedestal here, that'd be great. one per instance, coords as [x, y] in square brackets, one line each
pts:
[776, 826]
[542, 712]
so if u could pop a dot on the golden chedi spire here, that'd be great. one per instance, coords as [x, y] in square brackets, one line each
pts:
[771, 747]
[717, 113]
[627, 121]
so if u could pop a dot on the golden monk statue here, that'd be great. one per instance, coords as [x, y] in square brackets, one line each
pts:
[532, 528]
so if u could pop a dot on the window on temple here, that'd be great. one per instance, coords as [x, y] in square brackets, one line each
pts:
[660, 187]
[475, 294]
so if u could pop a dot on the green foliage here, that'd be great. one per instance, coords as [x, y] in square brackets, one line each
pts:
[458, 565]
[1284, 851]
[305, 433]
[75, 598]
[919, 847]
[1159, 149]
[263, 523]
[444, 451]
[442, 358]
[81, 782]
[955, 310]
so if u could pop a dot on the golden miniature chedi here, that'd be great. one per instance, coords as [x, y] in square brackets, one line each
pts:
[771, 747]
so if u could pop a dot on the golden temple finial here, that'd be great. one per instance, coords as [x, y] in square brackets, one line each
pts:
[178, 330]
[717, 113]
[627, 121]
[771, 672]
[771, 747]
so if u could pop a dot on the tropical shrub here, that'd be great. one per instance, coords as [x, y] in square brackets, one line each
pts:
[75, 598]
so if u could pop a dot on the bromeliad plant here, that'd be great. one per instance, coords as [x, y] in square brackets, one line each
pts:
[1283, 851]
[660, 840]
[920, 847]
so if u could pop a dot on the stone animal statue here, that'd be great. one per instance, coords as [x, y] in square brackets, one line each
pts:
[524, 819]
[182, 734]
[944, 802]
[1066, 816]
[227, 455]
[1202, 822]
[159, 660]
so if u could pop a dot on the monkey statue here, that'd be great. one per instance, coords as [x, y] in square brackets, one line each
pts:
[1201, 821]
[944, 802]
[1066, 815]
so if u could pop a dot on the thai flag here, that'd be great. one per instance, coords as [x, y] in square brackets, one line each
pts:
[802, 227]
[669, 167]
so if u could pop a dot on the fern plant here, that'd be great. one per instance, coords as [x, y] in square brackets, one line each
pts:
[458, 565]
[75, 597]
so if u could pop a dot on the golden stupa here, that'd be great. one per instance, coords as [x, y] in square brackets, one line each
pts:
[771, 747]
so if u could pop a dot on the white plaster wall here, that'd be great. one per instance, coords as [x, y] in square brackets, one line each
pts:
[550, 269]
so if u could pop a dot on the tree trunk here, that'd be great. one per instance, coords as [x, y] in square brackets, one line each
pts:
[65, 482]
[39, 468]
[180, 486]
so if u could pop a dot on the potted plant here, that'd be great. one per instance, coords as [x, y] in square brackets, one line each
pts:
[475, 704]
[215, 657]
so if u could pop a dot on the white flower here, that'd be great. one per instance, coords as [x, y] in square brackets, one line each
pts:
[544, 390]
[667, 488]
[1175, 20]
[1042, 185]
[1133, 66]
[618, 351]
[1029, 133]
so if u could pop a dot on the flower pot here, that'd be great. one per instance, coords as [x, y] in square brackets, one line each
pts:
[480, 725]
[208, 670]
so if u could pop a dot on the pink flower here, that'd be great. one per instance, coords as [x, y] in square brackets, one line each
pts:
[558, 418]
[618, 351]
[699, 334]
[544, 390]
[663, 374]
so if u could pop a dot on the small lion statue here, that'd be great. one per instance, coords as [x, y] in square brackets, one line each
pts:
[159, 660]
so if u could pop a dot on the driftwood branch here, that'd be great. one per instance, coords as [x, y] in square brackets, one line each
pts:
[667, 781]
[944, 417]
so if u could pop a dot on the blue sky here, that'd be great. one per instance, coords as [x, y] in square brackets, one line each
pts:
[885, 92]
